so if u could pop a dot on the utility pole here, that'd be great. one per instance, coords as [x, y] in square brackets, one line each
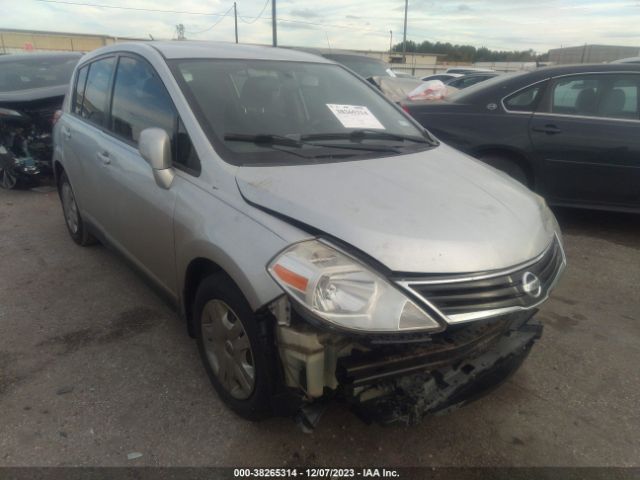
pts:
[180, 32]
[390, 41]
[273, 23]
[235, 17]
[404, 37]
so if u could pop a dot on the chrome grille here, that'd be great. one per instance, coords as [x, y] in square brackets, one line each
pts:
[486, 294]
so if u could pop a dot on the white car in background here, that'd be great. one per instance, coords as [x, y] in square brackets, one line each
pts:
[628, 60]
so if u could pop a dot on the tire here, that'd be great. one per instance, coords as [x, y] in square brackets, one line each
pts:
[8, 178]
[233, 343]
[72, 218]
[507, 165]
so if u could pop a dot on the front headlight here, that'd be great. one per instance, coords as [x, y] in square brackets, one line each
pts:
[344, 292]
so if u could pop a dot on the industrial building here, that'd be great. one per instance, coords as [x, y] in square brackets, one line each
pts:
[591, 54]
[24, 41]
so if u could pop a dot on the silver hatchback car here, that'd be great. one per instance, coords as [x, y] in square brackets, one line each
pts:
[318, 242]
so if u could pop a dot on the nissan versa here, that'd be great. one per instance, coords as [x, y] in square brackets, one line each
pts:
[320, 244]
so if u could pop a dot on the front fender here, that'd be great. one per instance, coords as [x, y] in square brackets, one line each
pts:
[207, 227]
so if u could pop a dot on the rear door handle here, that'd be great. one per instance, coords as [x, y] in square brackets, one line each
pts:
[104, 157]
[548, 129]
[66, 132]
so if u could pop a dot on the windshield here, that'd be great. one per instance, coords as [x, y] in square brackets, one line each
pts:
[27, 73]
[266, 112]
[363, 66]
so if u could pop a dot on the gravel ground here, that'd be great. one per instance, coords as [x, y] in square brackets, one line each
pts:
[94, 367]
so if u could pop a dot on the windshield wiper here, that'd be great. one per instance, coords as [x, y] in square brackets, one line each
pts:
[361, 134]
[263, 139]
[267, 139]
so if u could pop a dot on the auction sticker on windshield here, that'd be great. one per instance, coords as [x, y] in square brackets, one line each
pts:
[355, 116]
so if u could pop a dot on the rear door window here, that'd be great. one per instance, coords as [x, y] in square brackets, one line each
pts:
[620, 99]
[576, 95]
[606, 95]
[96, 92]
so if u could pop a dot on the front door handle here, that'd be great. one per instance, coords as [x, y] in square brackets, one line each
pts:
[548, 129]
[104, 157]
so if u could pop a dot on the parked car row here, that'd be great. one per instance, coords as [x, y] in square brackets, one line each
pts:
[461, 80]
[571, 133]
[318, 242]
[470, 79]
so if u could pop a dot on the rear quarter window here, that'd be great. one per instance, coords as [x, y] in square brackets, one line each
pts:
[78, 96]
[525, 100]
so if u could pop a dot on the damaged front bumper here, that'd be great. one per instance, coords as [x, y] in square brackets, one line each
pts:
[388, 381]
[442, 378]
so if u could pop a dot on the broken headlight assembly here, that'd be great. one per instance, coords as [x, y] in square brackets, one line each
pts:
[338, 289]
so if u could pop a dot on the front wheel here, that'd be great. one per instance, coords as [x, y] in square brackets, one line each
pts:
[234, 348]
[8, 178]
[507, 165]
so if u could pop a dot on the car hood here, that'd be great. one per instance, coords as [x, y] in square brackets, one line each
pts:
[33, 94]
[436, 211]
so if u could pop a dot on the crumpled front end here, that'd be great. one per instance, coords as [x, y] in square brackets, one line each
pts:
[392, 379]
[403, 376]
[445, 373]
[26, 146]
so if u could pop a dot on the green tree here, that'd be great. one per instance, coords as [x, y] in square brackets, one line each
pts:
[469, 53]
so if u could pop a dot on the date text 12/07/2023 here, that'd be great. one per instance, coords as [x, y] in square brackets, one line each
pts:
[315, 473]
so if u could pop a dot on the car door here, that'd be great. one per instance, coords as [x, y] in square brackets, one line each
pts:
[65, 140]
[144, 211]
[587, 138]
[81, 133]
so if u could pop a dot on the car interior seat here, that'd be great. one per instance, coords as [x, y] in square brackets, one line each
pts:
[586, 102]
[263, 109]
[218, 100]
[612, 104]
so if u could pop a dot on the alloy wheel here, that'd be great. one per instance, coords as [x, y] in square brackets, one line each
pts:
[8, 178]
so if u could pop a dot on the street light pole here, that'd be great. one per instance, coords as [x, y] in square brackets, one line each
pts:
[273, 23]
[404, 37]
[235, 17]
[390, 41]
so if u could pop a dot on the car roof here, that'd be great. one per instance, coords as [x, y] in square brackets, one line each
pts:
[560, 70]
[479, 74]
[39, 56]
[442, 74]
[627, 60]
[557, 70]
[337, 55]
[515, 80]
[468, 69]
[215, 50]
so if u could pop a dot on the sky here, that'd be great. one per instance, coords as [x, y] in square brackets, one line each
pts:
[350, 24]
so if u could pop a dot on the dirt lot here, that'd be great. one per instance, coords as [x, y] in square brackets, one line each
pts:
[94, 366]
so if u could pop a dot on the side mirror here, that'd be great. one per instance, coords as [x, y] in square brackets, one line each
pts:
[155, 147]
